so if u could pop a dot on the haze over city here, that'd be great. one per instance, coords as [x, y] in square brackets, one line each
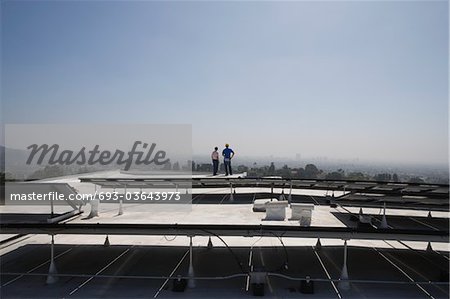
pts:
[343, 80]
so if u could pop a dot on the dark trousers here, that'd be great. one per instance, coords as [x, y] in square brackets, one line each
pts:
[227, 164]
[215, 166]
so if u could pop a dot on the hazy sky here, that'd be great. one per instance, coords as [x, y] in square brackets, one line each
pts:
[365, 80]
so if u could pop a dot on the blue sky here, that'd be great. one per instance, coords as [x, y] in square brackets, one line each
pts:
[348, 79]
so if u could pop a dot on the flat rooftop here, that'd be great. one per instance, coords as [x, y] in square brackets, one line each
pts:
[140, 252]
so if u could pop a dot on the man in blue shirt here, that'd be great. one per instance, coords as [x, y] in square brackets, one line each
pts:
[227, 154]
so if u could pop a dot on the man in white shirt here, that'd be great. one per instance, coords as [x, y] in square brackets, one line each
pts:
[215, 160]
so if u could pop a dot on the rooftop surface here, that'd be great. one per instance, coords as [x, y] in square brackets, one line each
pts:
[120, 255]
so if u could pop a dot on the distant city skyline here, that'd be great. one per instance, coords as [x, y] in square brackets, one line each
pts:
[349, 80]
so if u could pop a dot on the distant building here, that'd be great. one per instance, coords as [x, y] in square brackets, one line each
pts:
[204, 167]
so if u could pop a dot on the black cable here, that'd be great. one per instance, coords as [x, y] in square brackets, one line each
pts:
[285, 264]
[231, 251]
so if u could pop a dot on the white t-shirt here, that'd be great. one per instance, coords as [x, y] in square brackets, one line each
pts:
[215, 155]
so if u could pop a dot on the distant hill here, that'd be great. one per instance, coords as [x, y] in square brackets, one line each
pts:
[16, 161]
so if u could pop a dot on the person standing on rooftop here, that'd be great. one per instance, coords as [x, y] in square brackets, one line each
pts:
[227, 154]
[215, 160]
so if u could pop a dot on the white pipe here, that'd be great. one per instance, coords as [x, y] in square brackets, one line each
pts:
[344, 285]
[191, 281]
[51, 278]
